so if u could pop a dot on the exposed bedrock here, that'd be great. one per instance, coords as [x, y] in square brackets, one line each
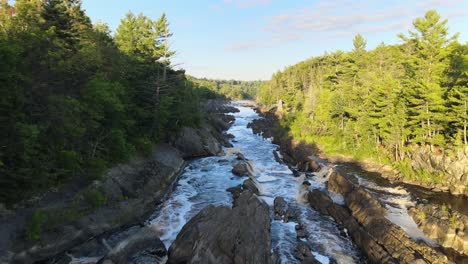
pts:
[364, 218]
[220, 234]
[447, 226]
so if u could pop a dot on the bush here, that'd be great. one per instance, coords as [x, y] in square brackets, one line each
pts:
[34, 225]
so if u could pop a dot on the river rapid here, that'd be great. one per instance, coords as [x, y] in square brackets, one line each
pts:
[204, 182]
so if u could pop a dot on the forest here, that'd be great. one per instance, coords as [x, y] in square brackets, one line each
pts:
[77, 99]
[380, 104]
[239, 90]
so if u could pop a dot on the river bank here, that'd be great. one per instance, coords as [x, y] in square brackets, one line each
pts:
[307, 158]
[77, 214]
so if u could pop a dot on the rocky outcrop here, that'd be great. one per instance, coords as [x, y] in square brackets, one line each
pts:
[298, 155]
[79, 213]
[144, 242]
[447, 226]
[364, 218]
[197, 143]
[128, 193]
[453, 166]
[219, 234]
[370, 246]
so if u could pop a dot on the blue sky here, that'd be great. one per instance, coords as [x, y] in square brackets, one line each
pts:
[251, 39]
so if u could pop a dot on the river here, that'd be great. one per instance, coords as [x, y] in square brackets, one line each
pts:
[204, 182]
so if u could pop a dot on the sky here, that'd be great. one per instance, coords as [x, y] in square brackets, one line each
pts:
[252, 39]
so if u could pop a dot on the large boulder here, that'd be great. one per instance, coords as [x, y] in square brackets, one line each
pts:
[197, 143]
[219, 234]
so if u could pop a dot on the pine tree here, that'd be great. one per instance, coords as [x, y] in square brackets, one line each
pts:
[164, 34]
[458, 94]
[425, 67]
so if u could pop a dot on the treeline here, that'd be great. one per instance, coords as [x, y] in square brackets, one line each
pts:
[380, 103]
[233, 89]
[75, 99]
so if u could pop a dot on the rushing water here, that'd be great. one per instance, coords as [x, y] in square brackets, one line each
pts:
[205, 181]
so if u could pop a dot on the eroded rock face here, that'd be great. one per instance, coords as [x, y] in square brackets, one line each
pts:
[448, 227]
[220, 234]
[142, 182]
[197, 143]
[453, 166]
[365, 221]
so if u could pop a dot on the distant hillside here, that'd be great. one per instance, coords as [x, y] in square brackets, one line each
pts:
[232, 89]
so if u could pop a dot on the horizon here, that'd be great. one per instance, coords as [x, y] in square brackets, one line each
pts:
[252, 39]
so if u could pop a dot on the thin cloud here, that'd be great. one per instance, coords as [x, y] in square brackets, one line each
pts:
[246, 3]
[327, 19]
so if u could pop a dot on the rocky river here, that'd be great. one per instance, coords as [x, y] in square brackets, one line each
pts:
[243, 203]
[298, 232]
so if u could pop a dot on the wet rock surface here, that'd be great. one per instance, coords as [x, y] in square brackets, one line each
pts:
[364, 218]
[219, 234]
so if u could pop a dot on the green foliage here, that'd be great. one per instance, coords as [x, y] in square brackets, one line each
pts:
[95, 198]
[34, 225]
[237, 90]
[74, 100]
[377, 104]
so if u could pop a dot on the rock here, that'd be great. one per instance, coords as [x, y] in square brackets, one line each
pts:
[375, 252]
[235, 191]
[314, 165]
[251, 185]
[219, 234]
[443, 224]
[280, 205]
[379, 238]
[307, 183]
[290, 215]
[143, 181]
[277, 157]
[240, 156]
[302, 252]
[197, 143]
[143, 241]
[242, 168]
[300, 232]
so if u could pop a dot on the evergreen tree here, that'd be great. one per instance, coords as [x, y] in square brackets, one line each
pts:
[425, 67]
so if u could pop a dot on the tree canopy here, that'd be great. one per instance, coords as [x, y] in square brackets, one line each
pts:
[379, 103]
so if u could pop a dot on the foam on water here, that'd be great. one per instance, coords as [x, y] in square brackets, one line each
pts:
[204, 182]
